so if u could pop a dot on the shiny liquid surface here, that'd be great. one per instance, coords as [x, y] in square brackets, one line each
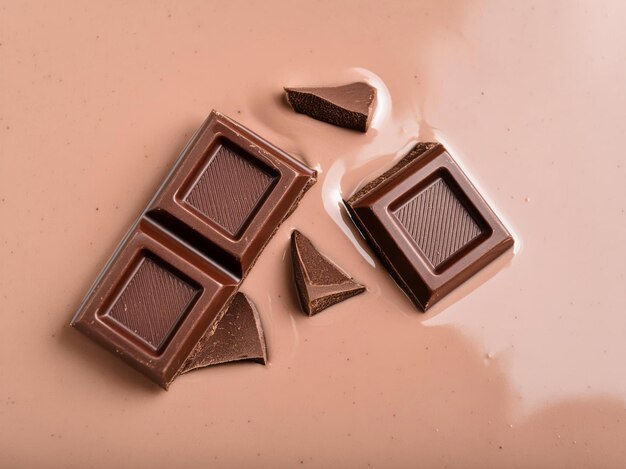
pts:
[522, 366]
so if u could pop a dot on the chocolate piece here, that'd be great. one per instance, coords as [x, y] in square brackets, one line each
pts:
[174, 275]
[154, 301]
[229, 193]
[347, 106]
[319, 282]
[428, 224]
[238, 335]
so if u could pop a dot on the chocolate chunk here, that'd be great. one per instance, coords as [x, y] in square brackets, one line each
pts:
[349, 106]
[319, 282]
[238, 335]
[177, 270]
[428, 224]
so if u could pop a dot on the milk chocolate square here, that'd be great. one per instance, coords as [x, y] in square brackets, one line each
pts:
[428, 224]
[154, 301]
[229, 188]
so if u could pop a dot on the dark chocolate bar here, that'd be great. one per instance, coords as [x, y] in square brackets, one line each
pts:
[428, 224]
[350, 106]
[319, 282]
[176, 272]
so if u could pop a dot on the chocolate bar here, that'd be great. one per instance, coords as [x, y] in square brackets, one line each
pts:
[175, 274]
[319, 282]
[428, 224]
[350, 106]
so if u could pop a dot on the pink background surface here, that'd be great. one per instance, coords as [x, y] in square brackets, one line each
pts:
[521, 367]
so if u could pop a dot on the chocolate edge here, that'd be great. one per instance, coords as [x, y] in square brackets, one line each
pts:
[417, 152]
[386, 262]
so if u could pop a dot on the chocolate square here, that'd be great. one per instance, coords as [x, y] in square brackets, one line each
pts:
[428, 224]
[227, 190]
[154, 302]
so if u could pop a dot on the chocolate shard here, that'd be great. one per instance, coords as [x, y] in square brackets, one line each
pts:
[349, 106]
[237, 336]
[319, 282]
[428, 224]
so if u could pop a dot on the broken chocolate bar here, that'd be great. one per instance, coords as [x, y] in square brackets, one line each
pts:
[319, 282]
[174, 275]
[349, 106]
[238, 335]
[428, 224]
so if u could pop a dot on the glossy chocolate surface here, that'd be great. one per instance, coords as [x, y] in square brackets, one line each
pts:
[428, 224]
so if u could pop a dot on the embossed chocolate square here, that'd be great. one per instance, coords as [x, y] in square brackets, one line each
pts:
[428, 224]
[154, 301]
[227, 190]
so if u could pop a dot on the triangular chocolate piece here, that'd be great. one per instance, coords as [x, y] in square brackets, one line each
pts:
[238, 335]
[320, 283]
[349, 106]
